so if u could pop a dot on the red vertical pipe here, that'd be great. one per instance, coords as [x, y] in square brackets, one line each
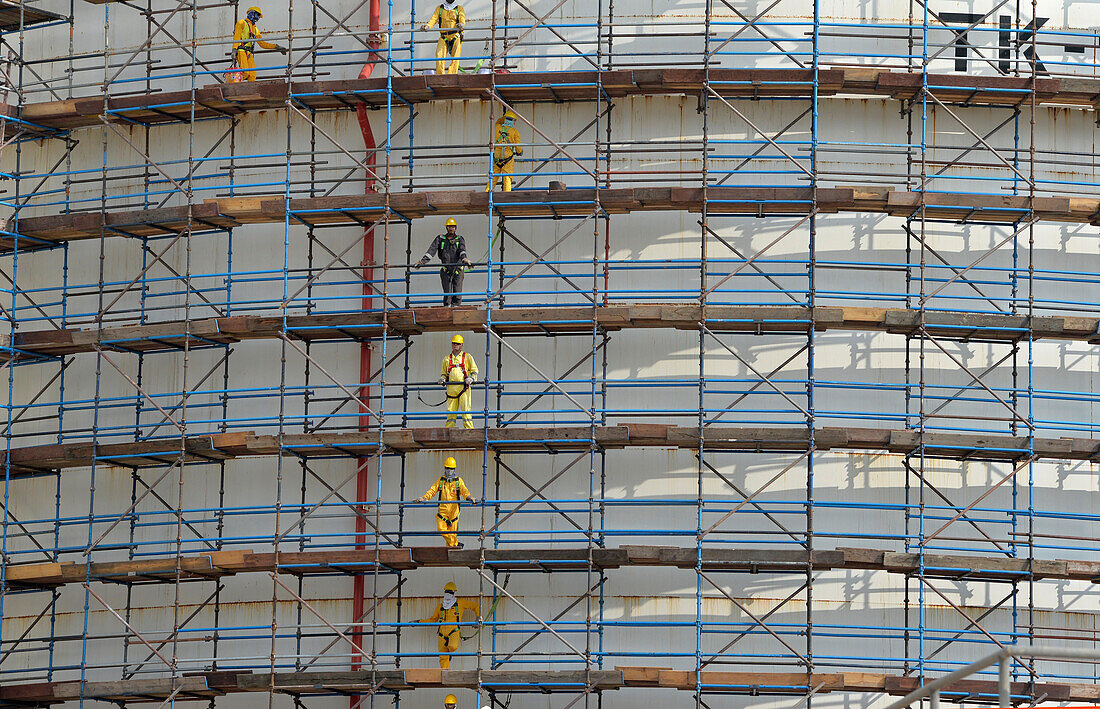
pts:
[362, 483]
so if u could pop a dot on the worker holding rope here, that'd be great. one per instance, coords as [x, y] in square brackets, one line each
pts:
[451, 489]
[458, 375]
[448, 614]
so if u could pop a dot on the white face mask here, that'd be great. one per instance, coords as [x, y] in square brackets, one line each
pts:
[448, 600]
[449, 4]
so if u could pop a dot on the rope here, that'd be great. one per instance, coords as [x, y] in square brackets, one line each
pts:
[492, 608]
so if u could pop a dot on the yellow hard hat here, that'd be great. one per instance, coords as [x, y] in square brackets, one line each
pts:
[451, 222]
[457, 340]
[510, 114]
[256, 9]
[450, 463]
[451, 587]
[451, 699]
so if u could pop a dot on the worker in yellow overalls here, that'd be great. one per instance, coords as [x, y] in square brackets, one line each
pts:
[451, 18]
[505, 149]
[245, 38]
[458, 374]
[451, 489]
[448, 612]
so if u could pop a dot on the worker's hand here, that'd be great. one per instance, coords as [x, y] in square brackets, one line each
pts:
[424, 27]
[281, 49]
[418, 264]
[473, 500]
[442, 380]
[469, 381]
[459, 26]
[419, 499]
[467, 262]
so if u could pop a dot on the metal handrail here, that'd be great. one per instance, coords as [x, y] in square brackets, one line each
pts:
[1002, 658]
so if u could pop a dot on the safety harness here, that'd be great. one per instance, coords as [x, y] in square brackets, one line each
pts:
[465, 374]
[442, 482]
[250, 46]
[502, 139]
[448, 36]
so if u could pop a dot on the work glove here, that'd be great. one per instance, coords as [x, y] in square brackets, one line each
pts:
[419, 499]
[442, 380]
[424, 27]
[469, 381]
[467, 262]
[281, 49]
[459, 26]
[473, 500]
[418, 264]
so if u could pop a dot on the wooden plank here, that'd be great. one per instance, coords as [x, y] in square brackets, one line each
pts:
[642, 676]
[351, 209]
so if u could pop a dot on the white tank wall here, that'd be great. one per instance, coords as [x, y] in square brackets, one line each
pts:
[846, 605]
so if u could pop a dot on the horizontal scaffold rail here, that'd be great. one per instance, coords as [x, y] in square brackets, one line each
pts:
[557, 87]
[215, 447]
[225, 213]
[203, 686]
[557, 320]
[218, 564]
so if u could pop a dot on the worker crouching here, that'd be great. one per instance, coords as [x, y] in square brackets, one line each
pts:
[245, 37]
[450, 490]
[448, 613]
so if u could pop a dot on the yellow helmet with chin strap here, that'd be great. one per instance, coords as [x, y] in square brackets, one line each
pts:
[457, 340]
[450, 701]
[255, 9]
[451, 586]
[451, 222]
[450, 463]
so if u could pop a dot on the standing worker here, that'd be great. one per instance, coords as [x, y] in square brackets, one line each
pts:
[506, 147]
[450, 488]
[246, 37]
[449, 611]
[458, 374]
[451, 18]
[452, 255]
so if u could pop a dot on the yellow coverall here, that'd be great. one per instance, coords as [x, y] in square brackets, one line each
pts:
[446, 514]
[246, 37]
[449, 635]
[459, 397]
[450, 43]
[505, 149]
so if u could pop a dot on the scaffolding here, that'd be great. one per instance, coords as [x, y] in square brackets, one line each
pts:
[788, 331]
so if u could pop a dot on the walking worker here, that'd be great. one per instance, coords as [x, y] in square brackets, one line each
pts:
[451, 18]
[246, 36]
[506, 147]
[447, 614]
[458, 375]
[451, 248]
[450, 489]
